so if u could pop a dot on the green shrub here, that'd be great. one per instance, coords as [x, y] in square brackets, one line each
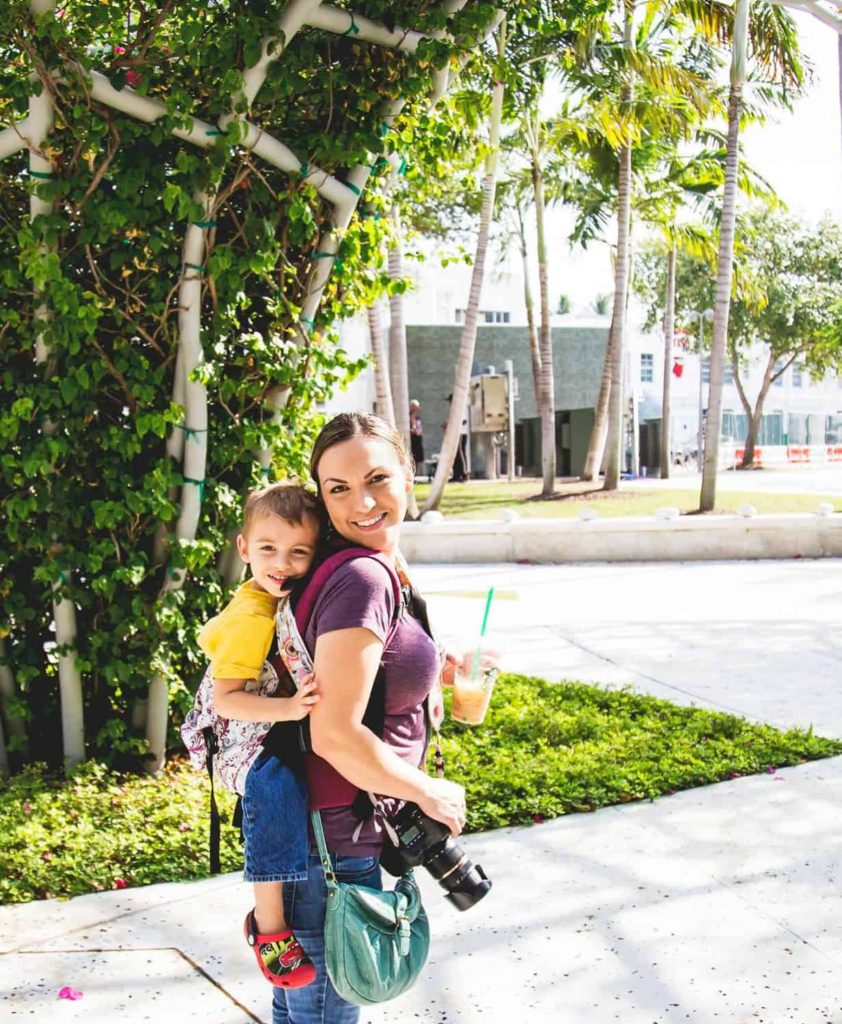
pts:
[546, 749]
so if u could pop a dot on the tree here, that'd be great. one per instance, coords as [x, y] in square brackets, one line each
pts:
[788, 286]
[563, 306]
[649, 87]
[171, 264]
[467, 343]
[775, 48]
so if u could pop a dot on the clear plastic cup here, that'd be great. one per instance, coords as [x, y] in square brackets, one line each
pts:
[473, 684]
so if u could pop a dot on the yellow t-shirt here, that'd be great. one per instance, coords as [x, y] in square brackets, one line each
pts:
[238, 640]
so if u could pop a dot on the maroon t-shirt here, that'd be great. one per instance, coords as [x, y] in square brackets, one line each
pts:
[360, 594]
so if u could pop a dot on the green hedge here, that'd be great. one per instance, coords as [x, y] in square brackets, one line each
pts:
[546, 749]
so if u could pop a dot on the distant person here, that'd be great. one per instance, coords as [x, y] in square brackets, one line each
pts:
[460, 462]
[416, 435]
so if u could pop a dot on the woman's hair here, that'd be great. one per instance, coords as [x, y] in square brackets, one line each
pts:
[290, 502]
[353, 424]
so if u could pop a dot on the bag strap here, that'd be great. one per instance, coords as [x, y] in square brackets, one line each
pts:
[321, 843]
[214, 837]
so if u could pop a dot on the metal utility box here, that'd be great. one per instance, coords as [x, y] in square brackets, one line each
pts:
[489, 402]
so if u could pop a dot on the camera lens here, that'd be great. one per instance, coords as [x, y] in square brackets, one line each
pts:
[422, 840]
[468, 886]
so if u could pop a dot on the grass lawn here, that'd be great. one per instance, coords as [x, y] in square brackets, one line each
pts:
[546, 749]
[481, 500]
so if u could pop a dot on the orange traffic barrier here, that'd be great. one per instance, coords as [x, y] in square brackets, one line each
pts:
[797, 453]
[740, 452]
[834, 453]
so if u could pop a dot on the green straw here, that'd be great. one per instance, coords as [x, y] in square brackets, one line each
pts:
[478, 652]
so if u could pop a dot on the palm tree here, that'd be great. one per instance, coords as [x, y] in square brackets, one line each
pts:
[775, 45]
[382, 386]
[663, 89]
[452, 431]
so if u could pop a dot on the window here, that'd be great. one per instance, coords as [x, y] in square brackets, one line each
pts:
[778, 382]
[485, 316]
[727, 372]
[797, 376]
[647, 367]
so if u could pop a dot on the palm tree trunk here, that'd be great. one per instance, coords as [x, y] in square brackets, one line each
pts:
[599, 431]
[529, 304]
[398, 370]
[621, 276]
[722, 294]
[462, 376]
[546, 394]
[618, 348]
[383, 390]
[669, 333]
[398, 366]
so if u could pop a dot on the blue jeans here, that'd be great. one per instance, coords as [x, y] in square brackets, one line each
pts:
[275, 820]
[304, 903]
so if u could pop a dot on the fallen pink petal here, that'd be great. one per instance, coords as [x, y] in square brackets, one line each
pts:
[70, 993]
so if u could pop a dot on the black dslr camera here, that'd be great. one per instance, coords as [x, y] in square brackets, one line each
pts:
[424, 841]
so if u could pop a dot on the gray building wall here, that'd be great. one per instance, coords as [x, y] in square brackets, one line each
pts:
[578, 358]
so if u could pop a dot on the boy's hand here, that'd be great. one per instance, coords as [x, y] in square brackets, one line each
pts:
[452, 660]
[301, 703]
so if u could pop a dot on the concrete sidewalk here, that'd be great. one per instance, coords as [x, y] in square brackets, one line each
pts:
[718, 904]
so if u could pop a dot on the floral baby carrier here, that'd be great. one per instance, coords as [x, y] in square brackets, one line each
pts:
[227, 747]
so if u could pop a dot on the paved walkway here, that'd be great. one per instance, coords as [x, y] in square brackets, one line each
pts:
[719, 904]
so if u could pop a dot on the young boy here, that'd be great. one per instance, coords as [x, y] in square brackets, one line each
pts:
[278, 541]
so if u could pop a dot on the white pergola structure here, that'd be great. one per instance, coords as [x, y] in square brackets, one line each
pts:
[824, 10]
[188, 444]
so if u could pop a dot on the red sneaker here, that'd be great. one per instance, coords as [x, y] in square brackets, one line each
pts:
[280, 957]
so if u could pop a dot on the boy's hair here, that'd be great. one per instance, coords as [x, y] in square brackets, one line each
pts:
[290, 502]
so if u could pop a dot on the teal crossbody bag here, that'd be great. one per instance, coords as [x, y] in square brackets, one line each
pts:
[376, 941]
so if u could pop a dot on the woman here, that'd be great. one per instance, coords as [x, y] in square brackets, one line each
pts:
[363, 475]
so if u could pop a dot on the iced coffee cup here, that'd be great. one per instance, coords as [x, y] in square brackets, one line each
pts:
[473, 684]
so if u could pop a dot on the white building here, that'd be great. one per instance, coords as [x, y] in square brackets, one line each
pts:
[798, 411]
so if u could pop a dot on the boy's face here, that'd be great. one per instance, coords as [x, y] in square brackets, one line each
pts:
[278, 551]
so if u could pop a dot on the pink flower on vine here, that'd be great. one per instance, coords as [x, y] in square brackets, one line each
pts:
[133, 78]
[120, 50]
[120, 883]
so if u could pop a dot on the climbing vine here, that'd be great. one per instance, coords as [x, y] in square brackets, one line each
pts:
[92, 479]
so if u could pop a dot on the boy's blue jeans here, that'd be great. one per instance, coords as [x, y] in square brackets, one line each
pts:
[304, 903]
[275, 820]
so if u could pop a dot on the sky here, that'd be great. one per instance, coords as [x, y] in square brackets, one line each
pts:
[800, 154]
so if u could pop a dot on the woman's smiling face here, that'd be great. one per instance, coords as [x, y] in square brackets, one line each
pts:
[364, 484]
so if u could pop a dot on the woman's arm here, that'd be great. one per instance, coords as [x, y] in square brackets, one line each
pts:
[232, 700]
[346, 663]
